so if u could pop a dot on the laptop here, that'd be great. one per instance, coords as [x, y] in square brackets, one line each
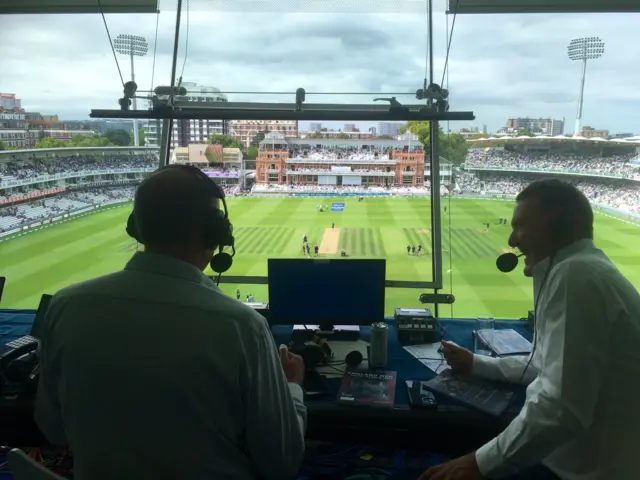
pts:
[35, 333]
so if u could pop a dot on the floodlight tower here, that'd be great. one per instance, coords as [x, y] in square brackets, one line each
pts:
[134, 46]
[583, 49]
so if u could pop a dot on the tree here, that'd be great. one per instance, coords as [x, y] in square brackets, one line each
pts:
[92, 142]
[257, 138]
[316, 135]
[385, 137]
[118, 137]
[227, 141]
[252, 152]
[525, 133]
[453, 147]
[343, 136]
[4, 146]
[142, 139]
[50, 142]
[419, 128]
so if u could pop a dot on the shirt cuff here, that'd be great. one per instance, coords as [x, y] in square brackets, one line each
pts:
[484, 366]
[488, 458]
[296, 391]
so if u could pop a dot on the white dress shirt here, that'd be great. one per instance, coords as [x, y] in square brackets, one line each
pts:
[581, 416]
[154, 373]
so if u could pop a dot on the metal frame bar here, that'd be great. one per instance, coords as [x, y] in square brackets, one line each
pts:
[285, 111]
[326, 112]
[262, 280]
[436, 219]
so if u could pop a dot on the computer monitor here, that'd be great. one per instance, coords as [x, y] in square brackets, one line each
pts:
[37, 329]
[326, 291]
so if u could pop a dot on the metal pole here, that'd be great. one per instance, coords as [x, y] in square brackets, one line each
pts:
[167, 125]
[136, 140]
[165, 140]
[436, 220]
[579, 117]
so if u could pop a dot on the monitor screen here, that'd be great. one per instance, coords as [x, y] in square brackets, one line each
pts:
[37, 329]
[336, 291]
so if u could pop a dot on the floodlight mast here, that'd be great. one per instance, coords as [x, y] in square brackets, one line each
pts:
[583, 49]
[134, 46]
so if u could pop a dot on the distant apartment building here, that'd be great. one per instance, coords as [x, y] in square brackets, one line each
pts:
[245, 130]
[590, 132]
[621, 135]
[9, 101]
[28, 137]
[11, 119]
[350, 127]
[373, 131]
[315, 127]
[186, 131]
[536, 126]
[391, 129]
[469, 132]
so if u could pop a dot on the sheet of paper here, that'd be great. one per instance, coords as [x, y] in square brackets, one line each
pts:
[340, 351]
[429, 356]
[344, 328]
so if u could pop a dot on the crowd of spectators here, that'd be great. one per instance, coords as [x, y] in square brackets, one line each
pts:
[617, 165]
[37, 167]
[336, 154]
[333, 189]
[42, 209]
[317, 170]
[603, 192]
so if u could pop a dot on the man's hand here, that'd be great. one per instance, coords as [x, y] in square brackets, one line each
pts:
[463, 468]
[459, 359]
[292, 364]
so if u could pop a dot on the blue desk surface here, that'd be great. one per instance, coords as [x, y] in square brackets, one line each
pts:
[407, 367]
[16, 323]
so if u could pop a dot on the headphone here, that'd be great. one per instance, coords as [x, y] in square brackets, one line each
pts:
[217, 229]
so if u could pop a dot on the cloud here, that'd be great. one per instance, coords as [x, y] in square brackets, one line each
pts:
[499, 66]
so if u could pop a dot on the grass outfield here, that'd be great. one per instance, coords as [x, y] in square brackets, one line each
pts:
[49, 259]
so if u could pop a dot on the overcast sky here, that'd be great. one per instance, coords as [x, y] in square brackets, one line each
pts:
[499, 66]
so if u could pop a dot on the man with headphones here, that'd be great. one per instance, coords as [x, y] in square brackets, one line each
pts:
[153, 372]
[580, 420]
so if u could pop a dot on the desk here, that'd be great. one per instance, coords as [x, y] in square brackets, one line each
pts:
[450, 427]
[328, 420]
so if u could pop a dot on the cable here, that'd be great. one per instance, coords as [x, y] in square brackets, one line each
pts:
[115, 57]
[186, 46]
[453, 26]
[155, 48]
[535, 312]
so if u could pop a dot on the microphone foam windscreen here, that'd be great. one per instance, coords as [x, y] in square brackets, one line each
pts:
[507, 262]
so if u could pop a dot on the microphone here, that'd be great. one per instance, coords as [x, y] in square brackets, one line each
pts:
[507, 262]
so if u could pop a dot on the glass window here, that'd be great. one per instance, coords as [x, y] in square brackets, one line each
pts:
[522, 92]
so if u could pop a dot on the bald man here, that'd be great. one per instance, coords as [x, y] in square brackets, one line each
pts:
[156, 355]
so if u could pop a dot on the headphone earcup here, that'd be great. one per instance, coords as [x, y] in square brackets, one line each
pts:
[132, 229]
[218, 232]
[221, 262]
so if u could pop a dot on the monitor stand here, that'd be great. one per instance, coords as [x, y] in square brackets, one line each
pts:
[328, 331]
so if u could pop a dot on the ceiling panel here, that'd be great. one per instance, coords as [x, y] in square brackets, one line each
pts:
[77, 6]
[543, 6]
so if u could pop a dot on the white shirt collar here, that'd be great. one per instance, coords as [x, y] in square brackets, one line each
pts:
[578, 246]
